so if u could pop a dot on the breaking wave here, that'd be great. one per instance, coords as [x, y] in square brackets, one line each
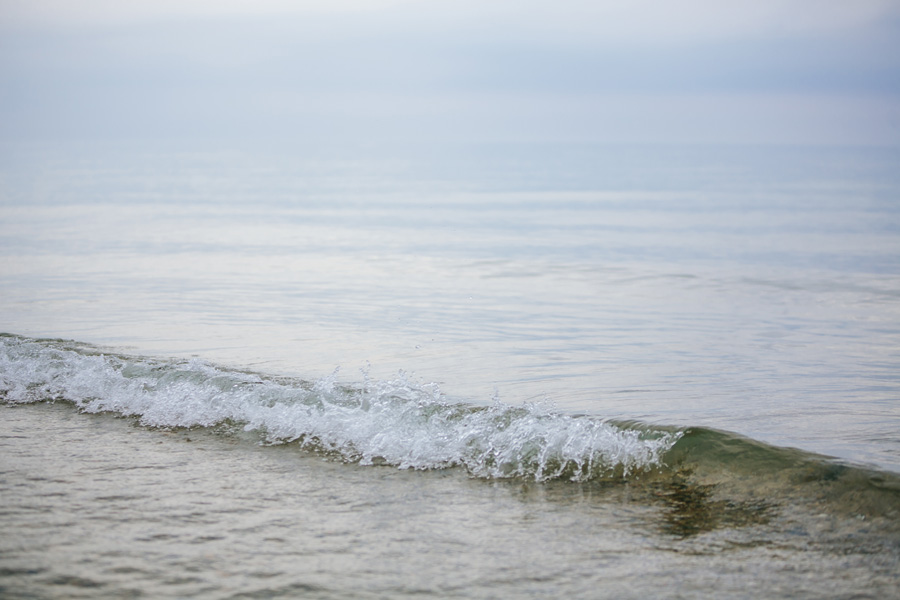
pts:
[396, 422]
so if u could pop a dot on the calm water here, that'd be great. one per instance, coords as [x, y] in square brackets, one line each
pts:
[602, 371]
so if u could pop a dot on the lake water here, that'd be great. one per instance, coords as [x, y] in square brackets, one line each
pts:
[464, 371]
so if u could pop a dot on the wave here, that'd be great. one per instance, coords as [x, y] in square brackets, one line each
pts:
[395, 422]
[411, 425]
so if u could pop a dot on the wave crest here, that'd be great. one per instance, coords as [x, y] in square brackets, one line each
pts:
[396, 422]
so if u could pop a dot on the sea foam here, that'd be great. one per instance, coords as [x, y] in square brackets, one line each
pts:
[395, 421]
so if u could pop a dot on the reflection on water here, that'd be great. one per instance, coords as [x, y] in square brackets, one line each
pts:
[692, 511]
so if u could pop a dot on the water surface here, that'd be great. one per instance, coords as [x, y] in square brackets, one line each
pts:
[597, 368]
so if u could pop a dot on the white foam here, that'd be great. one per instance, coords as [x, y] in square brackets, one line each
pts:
[397, 422]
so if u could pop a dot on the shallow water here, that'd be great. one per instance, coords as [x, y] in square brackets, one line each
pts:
[95, 507]
[657, 324]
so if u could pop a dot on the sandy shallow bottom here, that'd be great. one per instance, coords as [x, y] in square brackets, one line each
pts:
[95, 506]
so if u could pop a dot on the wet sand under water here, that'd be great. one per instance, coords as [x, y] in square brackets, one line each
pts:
[95, 506]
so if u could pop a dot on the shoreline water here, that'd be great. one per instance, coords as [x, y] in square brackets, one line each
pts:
[397, 422]
[98, 507]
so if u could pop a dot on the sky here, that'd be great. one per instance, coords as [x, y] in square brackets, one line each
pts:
[352, 71]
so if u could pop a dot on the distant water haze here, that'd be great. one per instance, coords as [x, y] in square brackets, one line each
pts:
[779, 71]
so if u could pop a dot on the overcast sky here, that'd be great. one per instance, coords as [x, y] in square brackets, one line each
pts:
[780, 71]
